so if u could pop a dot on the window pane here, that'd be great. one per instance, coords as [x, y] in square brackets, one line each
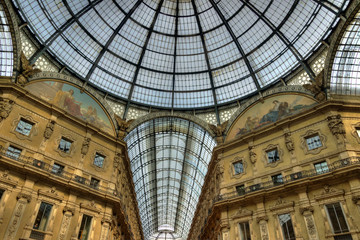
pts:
[337, 218]
[287, 227]
[240, 189]
[244, 231]
[277, 179]
[24, 127]
[238, 167]
[13, 152]
[321, 167]
[99, 160]
[65, 145]
[57, 168]
[313, 142]
[85, 227]
[273, 156]
[42, 216]
[94, 183]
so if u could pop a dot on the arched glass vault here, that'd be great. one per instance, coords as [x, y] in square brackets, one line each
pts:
[169, 159]
[177, 54]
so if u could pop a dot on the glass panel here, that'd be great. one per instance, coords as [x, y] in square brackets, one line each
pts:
[13, 152]
[94, 183]
[57, 169]
[273, 156]
[287, 227]
[238, 167]
[84, 231]
[65, 145]
[42, 217]
[24, 127]
[99, 160]
[321, 167]
[244, 231]
[313, 142]
[240, 189]
[277, 179]
[337, 218]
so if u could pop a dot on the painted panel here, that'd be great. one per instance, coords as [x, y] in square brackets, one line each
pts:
[70, 99]
[271, 110]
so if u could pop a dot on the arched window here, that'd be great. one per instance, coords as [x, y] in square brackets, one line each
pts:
[345, 75]
[6, 46]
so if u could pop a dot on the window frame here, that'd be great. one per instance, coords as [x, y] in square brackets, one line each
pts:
[66, 140]
[247, 234]
[12, 154]
[268, 157]
[331, 222]
[57, 172]
[89, 227]
[94, 180]
[310, 134]
[240, 189]
[313, 143]
[21, 130]
[241, 163]
[322, 168]
[97, 154]
[288, 237]
[48, 217]
[275, 178]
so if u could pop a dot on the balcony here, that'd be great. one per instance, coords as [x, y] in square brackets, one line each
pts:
[289, 179]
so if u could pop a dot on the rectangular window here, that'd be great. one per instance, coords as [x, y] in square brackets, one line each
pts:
[358, 131]
[286, 227]
[238, 167]
[277, 179]
[240, 189]
[273, 156]
[13, 152]
[65, 145]
[337, 218]
[99, 160]
[94, 183]
[321, 167]
[24, 127]
[57, 169]
[84, 231]
[244, 231]
[42, 217]
[313, 142]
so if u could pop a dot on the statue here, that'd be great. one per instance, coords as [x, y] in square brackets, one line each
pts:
[220, 172]
[252, 155]
[118, 159]
[27, 70]
[85, 146]
[336, 125]
[316, 87]
[6, 106]
[289, 142]
[123, 126]
[49, 129]
[219, 131]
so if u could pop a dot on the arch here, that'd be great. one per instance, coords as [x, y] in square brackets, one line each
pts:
[71, 81]
[15, 36]
[336, 42]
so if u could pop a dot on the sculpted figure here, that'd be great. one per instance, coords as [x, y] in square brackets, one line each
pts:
[6, 106]
[219, 131]
[289, 142]
[316, 87]
[123, 126]
[49, 129]
[85, 146]
[336, 125]
[27, 70]
[252, 155]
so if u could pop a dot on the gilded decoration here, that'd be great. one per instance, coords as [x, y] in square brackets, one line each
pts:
[311, 133]
[33, 131]
[269, 148]
[273, 109]
[232, 169]
[74, 101]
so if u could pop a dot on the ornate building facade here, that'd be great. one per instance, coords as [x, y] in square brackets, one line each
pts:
[267, 149]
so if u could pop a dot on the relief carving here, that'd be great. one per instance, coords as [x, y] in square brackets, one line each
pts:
[6, 106]
[311, 228]
[336, 125]
[49, 129]
[316, 87]
[123, 126]
[252, 155]
[27, 70]
[65, 224]
[219, 131]
[289, 142]
[85, 146]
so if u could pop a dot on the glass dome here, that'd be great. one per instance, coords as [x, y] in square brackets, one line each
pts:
[181, 54]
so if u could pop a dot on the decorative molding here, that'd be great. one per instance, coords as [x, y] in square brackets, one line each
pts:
[329, 193]
[303, 210]
[336, 125]
[6, 106]
[85, 146]
[311, 133]
[6, 180]
[354, 129]
[242, 212]
[72, 147]
[51, 193]
[271, 147]
[105, 163]
[49, 129]
[282, 206]
[232, 170]
[91, 206]
[33, 131]
[25, 196]
[262, 218]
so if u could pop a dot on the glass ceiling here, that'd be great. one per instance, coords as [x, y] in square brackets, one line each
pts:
[169, 160]
[180, 54]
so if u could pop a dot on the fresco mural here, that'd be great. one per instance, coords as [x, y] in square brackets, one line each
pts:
[70, 99]
[272, 110]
